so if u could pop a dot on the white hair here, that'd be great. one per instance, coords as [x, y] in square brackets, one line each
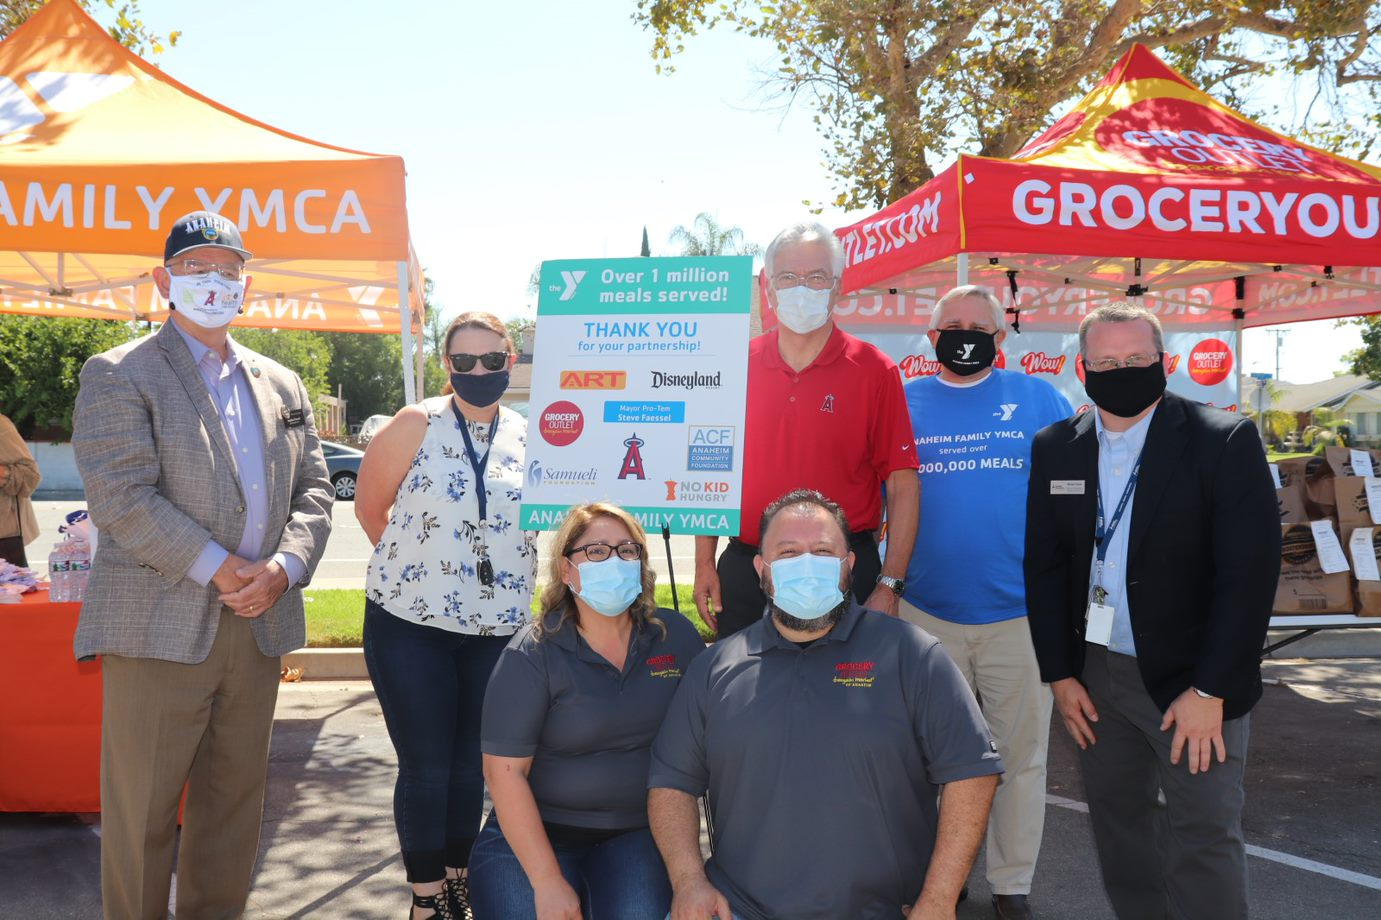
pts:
[976, 291]
[806, 231]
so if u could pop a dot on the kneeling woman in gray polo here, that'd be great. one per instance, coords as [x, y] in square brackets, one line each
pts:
[569, 717]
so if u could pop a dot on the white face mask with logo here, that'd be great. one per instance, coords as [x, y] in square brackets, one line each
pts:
[803, 309]
[208, 300]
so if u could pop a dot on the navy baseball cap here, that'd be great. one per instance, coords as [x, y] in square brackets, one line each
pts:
[202, 228]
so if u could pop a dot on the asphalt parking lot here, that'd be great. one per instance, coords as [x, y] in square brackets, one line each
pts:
[1313, 815]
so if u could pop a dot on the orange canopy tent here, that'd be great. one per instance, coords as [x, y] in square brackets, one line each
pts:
[1149, 188]
[100, 151]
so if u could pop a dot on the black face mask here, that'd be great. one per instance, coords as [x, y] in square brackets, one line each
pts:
[1125, 391]
[966, 351]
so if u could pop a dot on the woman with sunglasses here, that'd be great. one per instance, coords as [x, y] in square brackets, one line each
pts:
[450, 580]
[570, 715]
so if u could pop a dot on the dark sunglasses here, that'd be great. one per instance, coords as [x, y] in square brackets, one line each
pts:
[493, 361]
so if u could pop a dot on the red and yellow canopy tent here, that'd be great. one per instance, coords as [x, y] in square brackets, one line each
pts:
[100, 151]
[1149, 188]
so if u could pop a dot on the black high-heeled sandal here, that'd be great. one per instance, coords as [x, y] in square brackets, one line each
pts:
[439, 903]
[458, 894]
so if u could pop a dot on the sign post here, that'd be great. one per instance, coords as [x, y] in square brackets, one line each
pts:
[638, 391]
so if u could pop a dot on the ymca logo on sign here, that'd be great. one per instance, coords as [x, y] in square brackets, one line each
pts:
[1006, 410]
[572, 281]
[633, 459]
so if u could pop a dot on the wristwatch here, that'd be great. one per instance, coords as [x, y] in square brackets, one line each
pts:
[896, 584]
[1204, 696]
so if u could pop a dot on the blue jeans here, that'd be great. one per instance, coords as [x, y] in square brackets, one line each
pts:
[430, 684]
[619, 879]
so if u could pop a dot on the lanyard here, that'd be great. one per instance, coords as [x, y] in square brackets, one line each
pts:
[1103, 537]
[478, 463]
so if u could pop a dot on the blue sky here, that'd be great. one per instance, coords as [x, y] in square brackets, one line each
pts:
[541, 130]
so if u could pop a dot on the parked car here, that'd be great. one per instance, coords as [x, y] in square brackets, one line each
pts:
[370, 427]
[343, 466]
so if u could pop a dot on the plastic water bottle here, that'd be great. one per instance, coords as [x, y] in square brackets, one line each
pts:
[78, 571]
[59, 571]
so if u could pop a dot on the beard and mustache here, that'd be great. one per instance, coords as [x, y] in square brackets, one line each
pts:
[820, 624]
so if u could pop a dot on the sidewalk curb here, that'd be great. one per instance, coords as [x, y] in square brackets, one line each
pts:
[328, 663]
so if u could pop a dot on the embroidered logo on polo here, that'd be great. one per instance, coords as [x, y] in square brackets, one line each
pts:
[828, 404]
[663, 666]
[854, 673]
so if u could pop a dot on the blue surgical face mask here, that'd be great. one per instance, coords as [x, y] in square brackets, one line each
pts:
[610, 587]
[480, 390]
[807, 586]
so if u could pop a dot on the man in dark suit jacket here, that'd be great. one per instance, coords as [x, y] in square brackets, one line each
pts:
[1152, 553]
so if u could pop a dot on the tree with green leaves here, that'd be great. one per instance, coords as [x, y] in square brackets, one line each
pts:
[706, 236]
[129, 28]
[899, 86]
[1365, 361]
[40, 363]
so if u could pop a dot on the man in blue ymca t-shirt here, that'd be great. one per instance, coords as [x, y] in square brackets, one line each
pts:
[973, 425]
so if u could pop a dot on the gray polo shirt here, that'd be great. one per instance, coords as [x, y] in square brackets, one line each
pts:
[587, 727]
[823, 763]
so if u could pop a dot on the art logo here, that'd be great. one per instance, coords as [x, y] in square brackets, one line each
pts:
[1210, 362]
[534, 474]
[1038, 362]
[711, 448]
[561, 423]
[594, 380]
[633, 459]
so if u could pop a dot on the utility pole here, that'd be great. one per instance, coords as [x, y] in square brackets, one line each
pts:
[1280, 335]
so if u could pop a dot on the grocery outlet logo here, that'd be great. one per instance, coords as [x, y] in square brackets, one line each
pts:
[1210, 362]
[561, 423]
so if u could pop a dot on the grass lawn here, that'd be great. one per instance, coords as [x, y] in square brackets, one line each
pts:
[335, 617]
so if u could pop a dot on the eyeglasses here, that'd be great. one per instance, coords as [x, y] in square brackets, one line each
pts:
[598, 552]
[198, 267]
[815, 280]
[462, 363]
[1109, 364]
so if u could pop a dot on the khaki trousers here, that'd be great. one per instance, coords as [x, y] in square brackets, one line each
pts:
[999, 662]
[206, 725]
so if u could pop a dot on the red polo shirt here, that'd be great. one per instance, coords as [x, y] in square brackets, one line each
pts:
[840, 426]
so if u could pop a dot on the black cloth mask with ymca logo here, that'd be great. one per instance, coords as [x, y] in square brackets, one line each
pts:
[966, 351]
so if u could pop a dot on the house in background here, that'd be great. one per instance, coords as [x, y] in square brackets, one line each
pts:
[1357, 399]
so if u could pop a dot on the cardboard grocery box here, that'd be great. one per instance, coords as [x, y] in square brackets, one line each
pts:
[1290, 502]
[1368, 589]
[1350, 494]
[1304, 587]
[1316, 476]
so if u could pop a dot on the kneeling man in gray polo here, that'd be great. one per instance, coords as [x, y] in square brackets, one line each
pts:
[824, 734]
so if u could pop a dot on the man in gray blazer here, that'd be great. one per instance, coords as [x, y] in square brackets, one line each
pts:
[204, 474]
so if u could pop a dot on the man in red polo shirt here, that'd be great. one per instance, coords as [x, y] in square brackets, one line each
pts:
[825, 412]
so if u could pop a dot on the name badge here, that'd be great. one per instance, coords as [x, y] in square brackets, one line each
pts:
[292, 418]
[1066, 487]
[1098, 627]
